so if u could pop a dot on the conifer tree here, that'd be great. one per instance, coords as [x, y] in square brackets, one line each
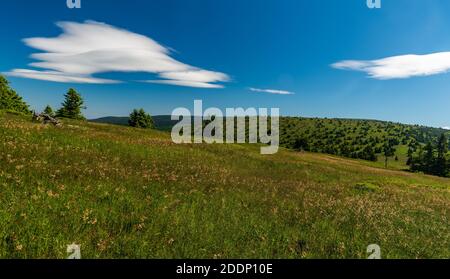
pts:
[410, 157]
[428, 159]
[440, 167]
[140, 119]
[10, 100]
[72, 106]
[388, 151]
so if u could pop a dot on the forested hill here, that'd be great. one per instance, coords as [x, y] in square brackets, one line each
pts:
[350, 137]
[328, 135]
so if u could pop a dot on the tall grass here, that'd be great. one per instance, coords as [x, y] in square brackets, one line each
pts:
[128, 193]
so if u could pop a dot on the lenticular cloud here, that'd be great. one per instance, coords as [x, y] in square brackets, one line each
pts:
[397, 67]
[89, 48]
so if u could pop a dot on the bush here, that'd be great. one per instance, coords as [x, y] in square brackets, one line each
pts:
[49, 111]
[366, 187]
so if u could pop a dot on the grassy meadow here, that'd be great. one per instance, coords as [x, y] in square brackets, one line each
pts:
[121, 192]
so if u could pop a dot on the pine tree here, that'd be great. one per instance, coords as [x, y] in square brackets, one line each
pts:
[409, 162]
[140, 119]
[369, 154]
[428, 159]
[10, 100]
[71, 108]
[388, 151]
[301, 144]
[440, 167]
[418, 164]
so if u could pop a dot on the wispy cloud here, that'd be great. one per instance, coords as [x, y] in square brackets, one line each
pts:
[397, 67]
[272, 91]
[197, 78]
[89, 48]
[56, 76]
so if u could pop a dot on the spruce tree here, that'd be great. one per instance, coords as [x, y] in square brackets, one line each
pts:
[140, 119]
[440, 167]
[71, 108]
[301, 144]
[409, 162]
[418, 164]
[388, 151]
[369, 154]
[428, 159]
[10, 100]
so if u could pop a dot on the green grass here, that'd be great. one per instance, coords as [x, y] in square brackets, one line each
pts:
[128, 193]
[401, 152]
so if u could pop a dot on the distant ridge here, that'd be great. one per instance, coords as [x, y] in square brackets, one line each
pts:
[162, 122]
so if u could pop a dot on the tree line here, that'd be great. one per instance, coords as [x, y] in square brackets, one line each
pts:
[431, 158]
[71, 108]
[369, 140]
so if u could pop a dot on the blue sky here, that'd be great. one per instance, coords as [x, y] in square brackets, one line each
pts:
[334, 55]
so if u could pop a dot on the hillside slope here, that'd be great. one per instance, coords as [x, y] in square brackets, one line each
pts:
[351, 138]
[128, 193]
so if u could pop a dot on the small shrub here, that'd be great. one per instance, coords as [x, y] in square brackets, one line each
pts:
[365, 187]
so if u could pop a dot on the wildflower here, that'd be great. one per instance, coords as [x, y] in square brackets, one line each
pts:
[19, 247]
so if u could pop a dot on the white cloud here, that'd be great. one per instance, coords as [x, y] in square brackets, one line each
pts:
[89, 48]
[57, 76]
[272, 91]
[403, 66]
[446, 128]
[197, 78]
[186, 83]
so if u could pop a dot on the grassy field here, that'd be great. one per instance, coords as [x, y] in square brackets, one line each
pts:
[343, 137]
[127, 193]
